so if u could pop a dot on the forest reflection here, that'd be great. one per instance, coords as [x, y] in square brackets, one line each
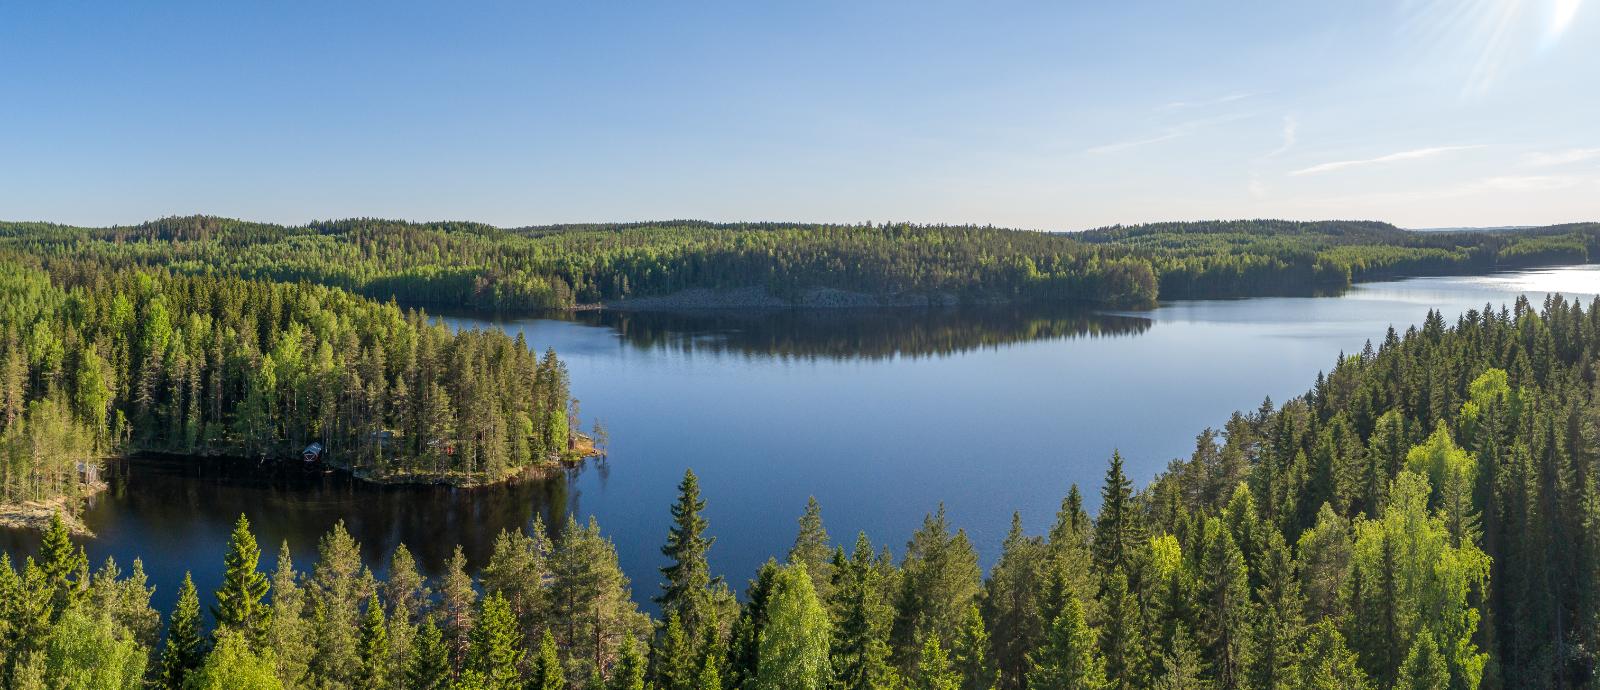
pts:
[849, 334]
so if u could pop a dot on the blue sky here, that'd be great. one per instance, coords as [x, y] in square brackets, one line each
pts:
[1052, 115]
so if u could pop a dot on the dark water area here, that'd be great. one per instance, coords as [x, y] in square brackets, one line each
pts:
[879, 414]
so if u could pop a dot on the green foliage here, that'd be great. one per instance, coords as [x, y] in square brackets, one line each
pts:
[84, 651]
[687, 590]
[233, 666]
[430, 665]
[241, 604]
[496, 653]
[547, 674]
[795, 640]
[185, 644]
[1069, 659]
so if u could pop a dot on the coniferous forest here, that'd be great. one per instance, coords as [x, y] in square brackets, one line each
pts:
[558, 267]
[94, 364]
[1427, 515]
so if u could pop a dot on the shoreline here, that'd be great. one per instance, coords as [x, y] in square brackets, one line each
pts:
[36, 515]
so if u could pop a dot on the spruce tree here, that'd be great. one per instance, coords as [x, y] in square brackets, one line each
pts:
[185, 644]
[65, 565]
[688, 576]
[1117, 531]
[673, 660]
[1424, 668]
[1120, 639]
[430, 664]
[496, 651]
[240, 601]
[934, 671]
[811, 549]
[374, 643]
[971, 653]
[1069, 659]
[1225, 609]
[547, 673]
[629, 672]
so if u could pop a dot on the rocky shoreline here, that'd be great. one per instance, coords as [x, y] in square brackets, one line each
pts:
[37, 514]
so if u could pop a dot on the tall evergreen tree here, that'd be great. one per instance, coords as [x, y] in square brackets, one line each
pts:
[241, 602]
[811, 549]
[1069, 659]
[547, 673]
[688, 576]
[374, 643]
[185, 643]
[496, 652]
[430, 665]
[1117, 531]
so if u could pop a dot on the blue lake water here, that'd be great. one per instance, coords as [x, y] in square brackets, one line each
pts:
[881, 415]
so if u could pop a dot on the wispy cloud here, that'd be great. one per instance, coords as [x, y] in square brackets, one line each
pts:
[1290, 136]
[1182, 129]
[1133, 143]
[1530, 183]
[1547, 159]
[1204, 103]
[1413, 154]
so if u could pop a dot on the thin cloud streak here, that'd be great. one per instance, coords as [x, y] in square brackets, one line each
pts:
[1554, 158]
[1183, 105]
[1290, 136]
[1413, 154]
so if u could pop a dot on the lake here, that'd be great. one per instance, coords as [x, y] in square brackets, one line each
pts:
[881, 415]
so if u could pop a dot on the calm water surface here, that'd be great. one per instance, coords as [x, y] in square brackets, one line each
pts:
[881, 415]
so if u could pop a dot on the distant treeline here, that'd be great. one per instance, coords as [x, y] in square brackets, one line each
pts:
[95, 363]
[1426, 516]
[559, 267]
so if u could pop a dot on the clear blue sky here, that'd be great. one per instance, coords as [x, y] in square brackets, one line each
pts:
[1054, 115]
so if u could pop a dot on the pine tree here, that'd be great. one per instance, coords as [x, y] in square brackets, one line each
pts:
[374, 643]
[860, 646]
[185, 645]
[1068, 660]
[240, 601]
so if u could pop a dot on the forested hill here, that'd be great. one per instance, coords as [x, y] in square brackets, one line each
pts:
[558, 267]
[93, 364]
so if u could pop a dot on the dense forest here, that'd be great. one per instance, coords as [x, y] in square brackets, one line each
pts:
[1427, 515]
[560, 267]
[93, 364]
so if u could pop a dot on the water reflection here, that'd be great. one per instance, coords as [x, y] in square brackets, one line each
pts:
[160, 507]
[866, 334]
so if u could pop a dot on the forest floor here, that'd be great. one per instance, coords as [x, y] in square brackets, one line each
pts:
[37, 514]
